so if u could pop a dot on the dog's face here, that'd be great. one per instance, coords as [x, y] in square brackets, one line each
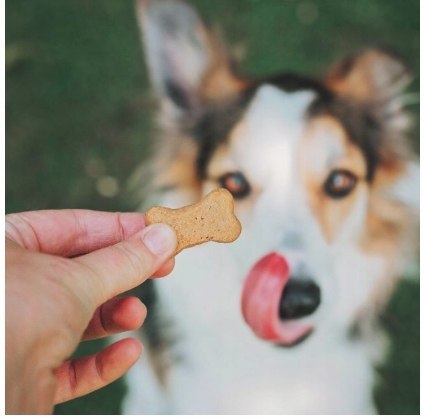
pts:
[301, 191]
[319, 169]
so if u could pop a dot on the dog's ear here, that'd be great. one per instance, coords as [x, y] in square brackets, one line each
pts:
[185, 61]
[377, 79]
[370, 75]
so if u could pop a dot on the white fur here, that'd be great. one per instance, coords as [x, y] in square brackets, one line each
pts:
[225, 368]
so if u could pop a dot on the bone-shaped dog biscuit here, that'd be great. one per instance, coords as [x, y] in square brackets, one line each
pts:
[211, 219]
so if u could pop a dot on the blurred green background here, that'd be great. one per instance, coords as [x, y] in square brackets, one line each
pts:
[78, 112]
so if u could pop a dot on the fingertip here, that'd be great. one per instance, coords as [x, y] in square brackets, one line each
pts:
[160, 239]
[130, 313]
[119, 357]
[129, 348]
[165, 269]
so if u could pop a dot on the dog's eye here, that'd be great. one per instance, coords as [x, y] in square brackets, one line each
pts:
[340, 183]
[236, 183]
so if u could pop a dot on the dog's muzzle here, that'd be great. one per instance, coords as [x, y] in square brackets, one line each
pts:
[274, 303]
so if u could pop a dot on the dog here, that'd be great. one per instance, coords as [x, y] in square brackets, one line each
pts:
[285, 320]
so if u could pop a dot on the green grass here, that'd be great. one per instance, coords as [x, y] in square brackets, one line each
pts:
[78, 109]
[398, 392]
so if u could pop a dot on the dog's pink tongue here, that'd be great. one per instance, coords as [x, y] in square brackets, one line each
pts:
[261, 298]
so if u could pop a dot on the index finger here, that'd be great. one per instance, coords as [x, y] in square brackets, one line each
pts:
[71, 232]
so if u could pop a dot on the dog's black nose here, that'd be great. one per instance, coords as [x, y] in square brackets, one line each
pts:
[300, 298]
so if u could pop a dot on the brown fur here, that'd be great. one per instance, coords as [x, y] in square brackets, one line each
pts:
[369, 83]
[331, 213]
[376, 79]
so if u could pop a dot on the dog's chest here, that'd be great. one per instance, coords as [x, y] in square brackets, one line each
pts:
[223, 367]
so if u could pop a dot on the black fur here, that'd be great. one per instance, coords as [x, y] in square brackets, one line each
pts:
[362, 128]
[159, 330]
[179, 97]
[212, 128]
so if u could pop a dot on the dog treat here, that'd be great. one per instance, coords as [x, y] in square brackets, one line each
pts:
[211, 219]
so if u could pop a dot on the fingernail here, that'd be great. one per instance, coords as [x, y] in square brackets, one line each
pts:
[159, 239]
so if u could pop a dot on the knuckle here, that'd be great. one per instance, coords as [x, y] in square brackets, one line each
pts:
[93, 284]
[73, 378]
[80, 282]
[138, 260]
[20, 231]
[120, 226]
[99, 367]
[103, 320]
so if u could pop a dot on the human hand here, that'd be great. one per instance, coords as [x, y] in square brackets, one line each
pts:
[64, 270]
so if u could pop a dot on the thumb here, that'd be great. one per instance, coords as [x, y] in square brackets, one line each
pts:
[112, 270]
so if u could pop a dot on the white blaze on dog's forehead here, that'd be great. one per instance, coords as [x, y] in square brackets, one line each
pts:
[265, 139]
[264, 146]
